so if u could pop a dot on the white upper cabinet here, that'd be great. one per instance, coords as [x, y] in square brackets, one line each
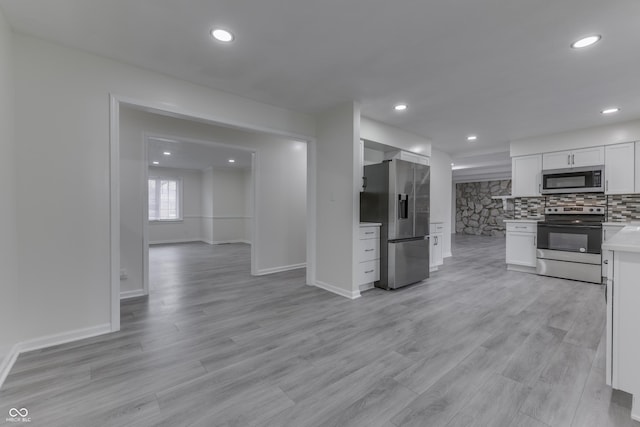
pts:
[592, 156]
[557, 160]
[525, 175]
[619, 168]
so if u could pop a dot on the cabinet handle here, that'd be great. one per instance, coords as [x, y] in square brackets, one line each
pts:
[606, 261]
[573, 159]
[368, 250]
[369, 271]
[520, 226]
[605, 234]
[534, 242]
[606, 185]
[368, 232]
[569, 159]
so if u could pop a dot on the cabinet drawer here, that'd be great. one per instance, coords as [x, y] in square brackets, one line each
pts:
[522, 227]
[369, 249]
[436, 228]
[368, 272]
[369, 232]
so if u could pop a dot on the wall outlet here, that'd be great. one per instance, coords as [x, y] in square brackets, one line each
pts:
[123, 274]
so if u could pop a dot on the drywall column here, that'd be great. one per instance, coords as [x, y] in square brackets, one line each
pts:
[441, 178]
[207, 205]
[337, 199]
[9, 317]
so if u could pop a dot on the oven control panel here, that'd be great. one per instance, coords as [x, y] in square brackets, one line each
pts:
[575, 210]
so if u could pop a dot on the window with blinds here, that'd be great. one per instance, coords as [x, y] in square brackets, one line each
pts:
[164, 199]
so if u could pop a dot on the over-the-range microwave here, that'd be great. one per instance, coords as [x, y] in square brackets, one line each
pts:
[589, 179]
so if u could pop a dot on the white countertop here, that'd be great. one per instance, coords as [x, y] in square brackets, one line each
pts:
[370, 224]
[523, 220]
[625, 240]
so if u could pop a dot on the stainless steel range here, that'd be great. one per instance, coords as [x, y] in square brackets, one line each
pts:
[569, 243]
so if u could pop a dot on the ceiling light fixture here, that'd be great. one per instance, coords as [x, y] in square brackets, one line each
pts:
[401, 107]
[586, 41]
[156, 163]
[232, 161]
[472, 137]
[610, 110]
[167, 153]
[222, 35]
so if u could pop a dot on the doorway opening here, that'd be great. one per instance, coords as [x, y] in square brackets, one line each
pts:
[276, 224]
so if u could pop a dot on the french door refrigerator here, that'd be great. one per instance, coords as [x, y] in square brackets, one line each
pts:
[396, 194]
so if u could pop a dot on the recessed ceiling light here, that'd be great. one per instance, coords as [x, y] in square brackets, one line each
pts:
[222, 35]
[401, 107]
[167, 153]
[453, 164]
[156, 163]
[472, 137]
[585, 41]
[232, 161]
[610, 110]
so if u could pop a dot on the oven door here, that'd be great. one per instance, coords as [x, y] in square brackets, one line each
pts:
[570, 238]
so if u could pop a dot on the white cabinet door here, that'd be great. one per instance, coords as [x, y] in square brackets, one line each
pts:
[619, 168]
[608, 231]
[525, 175]
[436, 254]
[592, 156]
[521, 249]
[557, 160]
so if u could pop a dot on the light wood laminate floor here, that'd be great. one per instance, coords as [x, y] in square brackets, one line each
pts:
[476, 345]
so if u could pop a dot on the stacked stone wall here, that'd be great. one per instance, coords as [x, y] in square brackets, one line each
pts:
[476, 212]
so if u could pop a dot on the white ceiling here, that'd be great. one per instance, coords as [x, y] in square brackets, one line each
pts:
[501, 69]
[190, 155]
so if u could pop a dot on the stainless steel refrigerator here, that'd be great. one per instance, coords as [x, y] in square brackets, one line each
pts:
[396, 194]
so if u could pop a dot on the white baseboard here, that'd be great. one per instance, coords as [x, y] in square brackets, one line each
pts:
[170, 241]
[338, 291]
[48, 341]
[7, 363]
[280, 269]
[447, 255]
[223, 242]
[367, 286]
[521, 268]
[132, 294]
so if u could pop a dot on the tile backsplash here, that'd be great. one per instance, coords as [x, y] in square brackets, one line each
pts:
[620, 208]
[623, 207]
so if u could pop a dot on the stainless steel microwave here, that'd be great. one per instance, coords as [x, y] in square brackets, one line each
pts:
[588, 179]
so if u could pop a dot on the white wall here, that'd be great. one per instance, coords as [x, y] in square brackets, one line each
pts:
[372, 130]
[281, 203]
[337, 200]
[441, 194]
[190, 228]
[62, 143]
[229, 215]
[581, 138]
[10, 293]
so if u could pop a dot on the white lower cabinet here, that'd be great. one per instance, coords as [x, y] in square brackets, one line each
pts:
[608, 231]
[436, 241]
[521, 245]
[369, 255]
[623, 318]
